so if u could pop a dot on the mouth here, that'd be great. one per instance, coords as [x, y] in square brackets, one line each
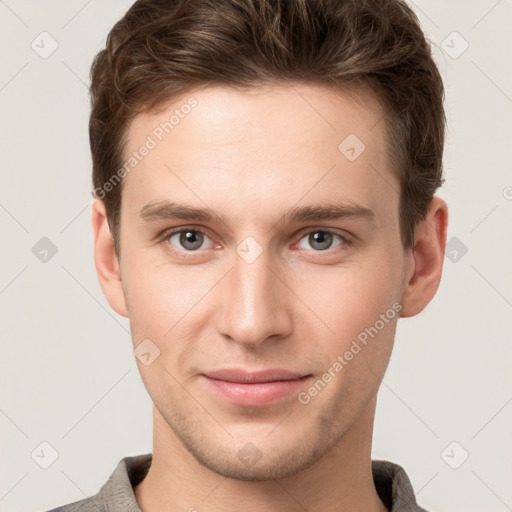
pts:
[253, 389]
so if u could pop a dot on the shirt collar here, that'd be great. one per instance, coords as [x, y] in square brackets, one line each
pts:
[391, 482]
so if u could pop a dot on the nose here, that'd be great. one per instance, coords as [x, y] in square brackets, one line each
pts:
[255, 303]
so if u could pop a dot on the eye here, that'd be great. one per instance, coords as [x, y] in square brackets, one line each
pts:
[187, 239]
[322, 240]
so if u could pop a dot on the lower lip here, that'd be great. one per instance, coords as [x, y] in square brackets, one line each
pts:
[254, 395]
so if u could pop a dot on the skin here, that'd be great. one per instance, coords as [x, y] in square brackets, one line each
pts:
[250, 156]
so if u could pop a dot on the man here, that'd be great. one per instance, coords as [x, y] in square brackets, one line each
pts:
[264, 176]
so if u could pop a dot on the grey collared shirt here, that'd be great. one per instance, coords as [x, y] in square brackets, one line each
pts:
[116, 495]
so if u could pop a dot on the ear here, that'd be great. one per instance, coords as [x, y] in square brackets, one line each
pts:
[425, 260]
[105, 259]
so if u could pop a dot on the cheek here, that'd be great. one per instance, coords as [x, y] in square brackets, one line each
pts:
[164, 307]
[361, 305]
[351, 297]
[350, 301]
[161, 297]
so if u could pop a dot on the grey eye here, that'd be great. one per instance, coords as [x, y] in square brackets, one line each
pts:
[320, 240]
[189, 239]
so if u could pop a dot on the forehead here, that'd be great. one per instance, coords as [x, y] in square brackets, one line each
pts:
[264, 141]
[236, 113]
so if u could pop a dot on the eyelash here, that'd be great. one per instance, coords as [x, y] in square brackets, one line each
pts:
[164, 238]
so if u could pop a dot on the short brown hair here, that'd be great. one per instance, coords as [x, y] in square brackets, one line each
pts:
[162, 48]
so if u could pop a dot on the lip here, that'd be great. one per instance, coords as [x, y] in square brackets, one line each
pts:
[243, 377]
[253, 389]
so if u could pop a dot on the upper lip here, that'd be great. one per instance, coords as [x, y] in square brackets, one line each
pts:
[242, 376]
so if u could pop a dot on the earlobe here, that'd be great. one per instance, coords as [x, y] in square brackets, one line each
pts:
[426, 260]
[105, 259]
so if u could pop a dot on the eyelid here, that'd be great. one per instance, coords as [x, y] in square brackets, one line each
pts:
[342, 233]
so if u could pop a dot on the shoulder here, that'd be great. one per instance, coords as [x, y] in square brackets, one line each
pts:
[117, 493]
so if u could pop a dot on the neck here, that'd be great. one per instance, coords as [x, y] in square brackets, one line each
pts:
[339, 481]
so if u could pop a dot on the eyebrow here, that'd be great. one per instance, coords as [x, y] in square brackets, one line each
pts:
[329, 211]
[167, 210]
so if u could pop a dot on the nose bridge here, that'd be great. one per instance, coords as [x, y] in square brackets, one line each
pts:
[254, 305]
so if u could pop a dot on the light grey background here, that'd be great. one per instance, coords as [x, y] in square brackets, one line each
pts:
[68, 375]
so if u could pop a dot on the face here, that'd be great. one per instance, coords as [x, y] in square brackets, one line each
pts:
[262, 268]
